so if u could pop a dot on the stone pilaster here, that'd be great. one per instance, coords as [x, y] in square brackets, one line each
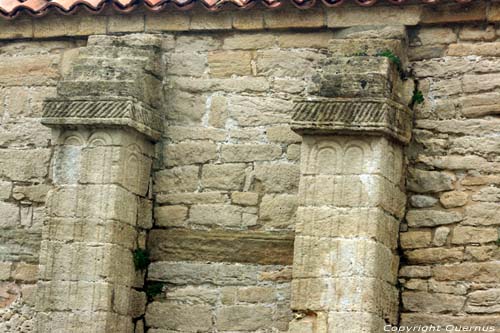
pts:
[104, 127]
[351, 197]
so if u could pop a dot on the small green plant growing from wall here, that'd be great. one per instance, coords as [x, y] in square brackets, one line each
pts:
[417, 98]
[141, 259]
[154, 289]
[392, 57]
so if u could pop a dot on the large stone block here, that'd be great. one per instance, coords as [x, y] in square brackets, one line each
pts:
[280, 178]
[24, 165]
[221, 246]
[183, 317]
[189, 153]
[244, 318]
[250, 153]
[105, 202]
[178, 179]
[229, 176]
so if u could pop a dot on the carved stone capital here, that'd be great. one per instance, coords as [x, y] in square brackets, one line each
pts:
[111, 112]
[353, 116]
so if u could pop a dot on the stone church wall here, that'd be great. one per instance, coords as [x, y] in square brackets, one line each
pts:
[226, 173]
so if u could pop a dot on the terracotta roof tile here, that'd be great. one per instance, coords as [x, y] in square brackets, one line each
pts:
[11, 8]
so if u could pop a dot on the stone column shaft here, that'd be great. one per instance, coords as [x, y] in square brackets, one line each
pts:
[350, 199]
[104, 128]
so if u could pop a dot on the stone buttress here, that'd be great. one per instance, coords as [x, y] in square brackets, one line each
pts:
[351, 195]
[104, 126]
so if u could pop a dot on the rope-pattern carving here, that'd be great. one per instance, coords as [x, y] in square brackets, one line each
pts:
[384, 115]
[108, 109]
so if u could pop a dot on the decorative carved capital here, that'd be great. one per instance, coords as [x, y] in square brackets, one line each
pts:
[103, 112]
[353, 116]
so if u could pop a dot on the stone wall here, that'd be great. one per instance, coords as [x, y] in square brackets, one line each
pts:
[450, 243]
[227, 168]
[29, 72]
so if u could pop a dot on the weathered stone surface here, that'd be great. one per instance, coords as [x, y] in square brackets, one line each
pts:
[453, 199]
[24, 165]
[278, 211]
[422, 181]
[465, 235]
[440, 236]
[415, 239]
[467, 271]
[250, 153]
[415, 271]
[189, 153]
[221, 246]
[228, 63]
[171, 216]
[245, 198]
[281, 178]
[249, 41]
[184, 317]
[431, 218]
[10, 215]
[483, 301]
[434, 255]
[178, 179]
[223, 215]
[244, 318]
[229, 176]
[416, 301]
[422, 201]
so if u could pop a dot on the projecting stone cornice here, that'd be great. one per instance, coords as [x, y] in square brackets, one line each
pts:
[125, 112]
[353, 116]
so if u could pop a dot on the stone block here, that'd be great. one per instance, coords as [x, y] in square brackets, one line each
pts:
[416, 301]
[25, 272]
[436, 35]
[229, 63]
[252, 20]
[10, 215]
[278, 211]
[477, 49]
[203, 20]
[380, 15]
[221, 246]
[5, 269]
[167, 21]
[483, 301]
[178, 179]
[453, 12]
[183, 317]
[145, 213]
[277, 178]
[415, 271]
[252, 41]
[245, 198]
[422, 181]
[415, 239]
[229, 176]
[477, 33]
[440, 236]
[222, 215]
[453, 199]
[293, 152]
[90, 231]
[431, 218]
[184, 133]
[282, 134]
[335, 222]
[32, 70]
[305, 40]
[197, 43]
[21, 29]
[244, 318]
[467, 271]
[467, 235]
[435, 255]
[106, 202]
[129, 23]
[481, 214]
[422, 201]
[250, 152]
[81, 25]
[259, 111]
[24, 165]
[279, 19]
[218, 112]
[192, 198]
[35, 193]
[218, 274]
[270, 63]
[190, 153]
[171, 216]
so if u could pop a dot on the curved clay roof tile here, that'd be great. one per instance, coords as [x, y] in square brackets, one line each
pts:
[11, 8]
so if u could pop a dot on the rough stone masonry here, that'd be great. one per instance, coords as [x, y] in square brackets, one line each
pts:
[262, 158]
